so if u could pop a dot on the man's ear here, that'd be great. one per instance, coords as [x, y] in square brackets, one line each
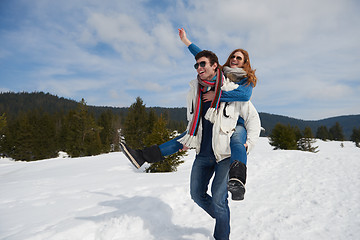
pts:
[215, 65]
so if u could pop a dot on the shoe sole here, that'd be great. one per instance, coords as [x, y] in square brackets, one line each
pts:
[237, 192]
[128, 156]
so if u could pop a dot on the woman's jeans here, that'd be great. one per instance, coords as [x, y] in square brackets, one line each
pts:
[172, 146]
[237, 141]
[215, 205]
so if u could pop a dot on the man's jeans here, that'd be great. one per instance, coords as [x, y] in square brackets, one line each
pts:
[215, 205]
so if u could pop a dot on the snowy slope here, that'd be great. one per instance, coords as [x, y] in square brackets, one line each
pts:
[290, 195]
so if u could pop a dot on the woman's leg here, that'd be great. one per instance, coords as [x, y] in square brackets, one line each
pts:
[237, 172]
[237, 141]
[151, 154]
[172, 146]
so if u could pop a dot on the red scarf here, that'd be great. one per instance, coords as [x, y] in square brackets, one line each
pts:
[204, 85]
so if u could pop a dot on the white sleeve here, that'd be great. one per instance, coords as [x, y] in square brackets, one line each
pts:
[252, 125]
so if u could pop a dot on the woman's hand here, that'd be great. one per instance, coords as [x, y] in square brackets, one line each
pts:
[209, 96]
[185, 148]
[182, 35]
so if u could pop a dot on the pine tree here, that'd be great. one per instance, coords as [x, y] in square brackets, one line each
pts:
[323, 133]
[283, 137]
[43, 135]
[355, 136]
[136, 126]
[336, 132]
[296, 131]
[305, 143]
[20, 133]
[159, 135]
[3, 126]
[81, 132]
[2, 122]
[108, 134]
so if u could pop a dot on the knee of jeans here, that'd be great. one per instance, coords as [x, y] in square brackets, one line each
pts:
[195, 195]
[220, 204]
[219, 199]
[235, 140]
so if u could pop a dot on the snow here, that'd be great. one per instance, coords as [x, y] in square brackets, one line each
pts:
[290, 195]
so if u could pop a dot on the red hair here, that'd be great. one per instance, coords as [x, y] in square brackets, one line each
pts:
[247, 67]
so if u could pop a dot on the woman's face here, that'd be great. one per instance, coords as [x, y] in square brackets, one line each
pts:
[237, 60]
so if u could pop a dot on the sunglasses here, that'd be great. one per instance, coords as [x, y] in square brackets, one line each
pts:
[201, 64]
[237, 57]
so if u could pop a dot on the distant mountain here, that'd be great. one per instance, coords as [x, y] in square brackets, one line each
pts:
[14, 103]
[268, 121]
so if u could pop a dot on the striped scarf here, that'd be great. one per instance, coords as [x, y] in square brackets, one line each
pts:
[204, 86]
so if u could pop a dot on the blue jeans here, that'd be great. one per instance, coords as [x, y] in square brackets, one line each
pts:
[215, 205]
[237, 141]
[172, 146]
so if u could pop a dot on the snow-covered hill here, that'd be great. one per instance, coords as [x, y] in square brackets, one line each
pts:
[290, 195]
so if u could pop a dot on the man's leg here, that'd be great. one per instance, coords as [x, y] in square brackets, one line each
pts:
[220, 202]
[201, 173]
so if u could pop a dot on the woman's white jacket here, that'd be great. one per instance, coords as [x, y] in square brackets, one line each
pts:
[224, 121]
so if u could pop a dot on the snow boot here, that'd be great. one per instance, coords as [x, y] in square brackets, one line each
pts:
[139, 156]
[237, 180]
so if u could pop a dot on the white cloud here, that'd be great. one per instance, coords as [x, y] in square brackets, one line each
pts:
[302, 50]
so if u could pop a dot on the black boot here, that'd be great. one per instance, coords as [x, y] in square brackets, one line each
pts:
[140, 156]
[237, 180]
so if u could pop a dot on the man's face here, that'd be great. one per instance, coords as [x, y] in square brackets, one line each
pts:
[205, 71]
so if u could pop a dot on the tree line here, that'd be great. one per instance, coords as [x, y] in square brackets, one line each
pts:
[36, 134]
[39, 134]
[292, 138]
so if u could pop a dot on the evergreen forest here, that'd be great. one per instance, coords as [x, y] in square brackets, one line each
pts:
[38, 125]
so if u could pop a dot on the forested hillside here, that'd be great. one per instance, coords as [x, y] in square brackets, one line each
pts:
[14, 103]
[38, 125]
[348, 123]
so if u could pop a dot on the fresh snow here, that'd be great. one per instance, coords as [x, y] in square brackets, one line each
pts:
[290, 195]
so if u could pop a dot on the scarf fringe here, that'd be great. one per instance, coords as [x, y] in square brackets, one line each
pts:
[211, 115]
[189, 141]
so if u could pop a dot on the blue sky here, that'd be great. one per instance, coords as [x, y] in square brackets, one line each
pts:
[306, 53]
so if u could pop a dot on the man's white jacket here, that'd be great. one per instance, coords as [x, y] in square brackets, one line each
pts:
[224, 121]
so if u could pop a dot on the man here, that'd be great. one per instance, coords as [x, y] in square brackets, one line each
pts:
[206, 165]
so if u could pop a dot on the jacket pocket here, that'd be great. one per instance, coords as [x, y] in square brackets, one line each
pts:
[228, 120]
